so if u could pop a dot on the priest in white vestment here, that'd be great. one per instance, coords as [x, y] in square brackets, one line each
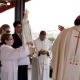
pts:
[66, 54]
[44, 55]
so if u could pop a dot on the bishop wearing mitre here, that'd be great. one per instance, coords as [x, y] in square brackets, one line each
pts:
[66, 54]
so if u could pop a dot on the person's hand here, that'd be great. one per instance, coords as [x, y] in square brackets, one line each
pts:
[29, 55]
[45, 52]
[60, 27]
[41, 51]
[29, 43]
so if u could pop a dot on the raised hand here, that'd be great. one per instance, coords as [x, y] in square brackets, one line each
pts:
[60, 27]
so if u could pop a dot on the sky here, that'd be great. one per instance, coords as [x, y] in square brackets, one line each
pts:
[46, 14]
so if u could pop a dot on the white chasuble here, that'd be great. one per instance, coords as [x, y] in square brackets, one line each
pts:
[72, 68]
[44, 60]
[9, 61]
[66, 55]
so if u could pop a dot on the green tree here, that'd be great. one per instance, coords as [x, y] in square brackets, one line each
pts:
[51, 38]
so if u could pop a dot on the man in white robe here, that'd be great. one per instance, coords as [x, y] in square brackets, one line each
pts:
[66, 54]
[43, 55]
[9, 61]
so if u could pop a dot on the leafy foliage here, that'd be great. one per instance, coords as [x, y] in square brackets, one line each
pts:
[51, 38]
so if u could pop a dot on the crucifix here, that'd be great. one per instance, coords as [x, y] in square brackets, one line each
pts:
[74, 60]
[77, 43]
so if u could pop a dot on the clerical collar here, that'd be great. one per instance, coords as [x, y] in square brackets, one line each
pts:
[41, 40]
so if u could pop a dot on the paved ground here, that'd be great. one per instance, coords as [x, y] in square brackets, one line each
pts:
[29, 75]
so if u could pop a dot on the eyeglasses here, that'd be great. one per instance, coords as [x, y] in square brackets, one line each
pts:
[7, 31]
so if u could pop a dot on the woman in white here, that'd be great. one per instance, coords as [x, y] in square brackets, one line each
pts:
[5, 28]
[10, 56]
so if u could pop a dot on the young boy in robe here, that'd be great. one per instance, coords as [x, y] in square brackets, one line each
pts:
[10, 56]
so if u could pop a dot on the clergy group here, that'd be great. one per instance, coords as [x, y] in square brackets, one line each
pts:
[63, 54]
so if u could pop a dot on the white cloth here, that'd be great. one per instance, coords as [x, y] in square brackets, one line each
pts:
[35, 68]
[64, 66]
[9, 61]
[44, 60]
